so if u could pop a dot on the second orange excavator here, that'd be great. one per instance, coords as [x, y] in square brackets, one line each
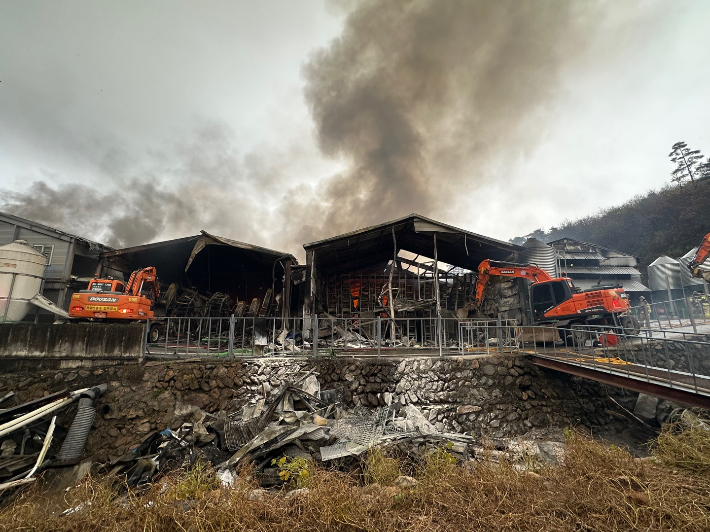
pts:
[557, 300]
[700, 257]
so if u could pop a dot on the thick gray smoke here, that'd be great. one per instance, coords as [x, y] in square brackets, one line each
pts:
[421, 97]
[423, 100]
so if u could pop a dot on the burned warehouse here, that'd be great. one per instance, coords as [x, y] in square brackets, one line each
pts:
[209, 275]
[409, 273]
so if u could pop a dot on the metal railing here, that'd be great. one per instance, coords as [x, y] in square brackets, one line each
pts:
[688, 311]
[674, 359]
[671, 362]
[319, 335]
[666, 349]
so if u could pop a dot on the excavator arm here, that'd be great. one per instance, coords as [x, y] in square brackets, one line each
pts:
[487, 269]
[138, 278]
[700, 256]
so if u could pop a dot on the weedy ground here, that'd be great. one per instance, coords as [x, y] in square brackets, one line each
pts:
[596, 487]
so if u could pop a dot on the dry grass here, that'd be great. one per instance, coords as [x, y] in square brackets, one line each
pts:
[598, 488]
[685, 444]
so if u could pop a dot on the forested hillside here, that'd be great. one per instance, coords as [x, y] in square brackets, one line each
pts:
[665, 222]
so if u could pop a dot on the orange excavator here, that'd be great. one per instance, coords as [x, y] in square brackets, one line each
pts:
[700, 257]
[110, 299]
[557, 300]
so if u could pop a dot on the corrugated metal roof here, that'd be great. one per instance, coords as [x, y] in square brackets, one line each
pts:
[52, 231]
[627, 284]
[579, 256]
[565, 240]
[414, 233]
[423, 223]
[603, 270]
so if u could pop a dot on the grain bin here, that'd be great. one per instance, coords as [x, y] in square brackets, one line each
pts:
[21, 272]
[540, 254]
[664, 273]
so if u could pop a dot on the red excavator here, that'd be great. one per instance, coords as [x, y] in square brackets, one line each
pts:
[700, 257]
[110, 299]
[557, 300]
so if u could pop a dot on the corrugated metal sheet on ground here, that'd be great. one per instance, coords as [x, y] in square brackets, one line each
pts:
[603, 270]
[628, 284]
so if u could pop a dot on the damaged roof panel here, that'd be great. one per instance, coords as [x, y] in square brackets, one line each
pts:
[414, 233]
[210, 261]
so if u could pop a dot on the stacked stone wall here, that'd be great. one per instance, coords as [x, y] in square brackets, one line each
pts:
[493, 396]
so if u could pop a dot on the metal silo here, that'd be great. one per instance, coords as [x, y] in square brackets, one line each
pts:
[540, 254]
[21, 272]
[662, 272]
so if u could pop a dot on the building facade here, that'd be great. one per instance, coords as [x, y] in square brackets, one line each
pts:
[71, 259]
[592, 265]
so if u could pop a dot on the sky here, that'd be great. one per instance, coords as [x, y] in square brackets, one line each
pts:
[285, 122]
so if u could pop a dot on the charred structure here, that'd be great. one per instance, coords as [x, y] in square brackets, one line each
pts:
[209, 275]
[410, 268]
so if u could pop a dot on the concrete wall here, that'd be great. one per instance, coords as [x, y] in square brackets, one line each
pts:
[41, 345]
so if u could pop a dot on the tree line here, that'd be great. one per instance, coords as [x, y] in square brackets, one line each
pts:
[669, 221]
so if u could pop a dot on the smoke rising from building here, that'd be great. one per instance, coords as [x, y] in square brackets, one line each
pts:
[422, 101]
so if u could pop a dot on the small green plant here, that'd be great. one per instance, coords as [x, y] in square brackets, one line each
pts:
[380, 469]
[296, 472]
[196, 482]
[440, 462]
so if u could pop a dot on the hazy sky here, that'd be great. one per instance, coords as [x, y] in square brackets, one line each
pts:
[282, 122]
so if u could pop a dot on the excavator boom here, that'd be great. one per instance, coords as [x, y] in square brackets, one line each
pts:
[135, 282]
[700, 257]
[487, 269]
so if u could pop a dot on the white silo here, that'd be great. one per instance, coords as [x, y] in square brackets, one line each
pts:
[21, 272]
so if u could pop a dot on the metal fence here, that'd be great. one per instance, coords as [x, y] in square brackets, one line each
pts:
[318, 335]
[671, 360]
[380, 336]
[689, 311]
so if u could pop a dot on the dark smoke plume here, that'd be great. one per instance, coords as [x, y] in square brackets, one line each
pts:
[422, 97]
[423, 100]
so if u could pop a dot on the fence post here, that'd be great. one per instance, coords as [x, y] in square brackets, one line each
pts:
[144, 343]
[690, 314]
[499, 333]
[440, 337]
[379, 335]
[315, 335]
[231, 336]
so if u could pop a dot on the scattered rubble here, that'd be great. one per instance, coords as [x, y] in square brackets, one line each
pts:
[29, 435]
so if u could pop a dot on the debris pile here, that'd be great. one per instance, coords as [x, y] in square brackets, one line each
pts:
[299, 422]
[28, 436]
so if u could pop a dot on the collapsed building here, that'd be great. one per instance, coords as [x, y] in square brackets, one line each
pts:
[411, 272]
[209, 275]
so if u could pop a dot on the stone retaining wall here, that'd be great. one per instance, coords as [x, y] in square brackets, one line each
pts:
[494, 396]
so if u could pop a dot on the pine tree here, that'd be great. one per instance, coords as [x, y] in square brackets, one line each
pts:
[688, 163]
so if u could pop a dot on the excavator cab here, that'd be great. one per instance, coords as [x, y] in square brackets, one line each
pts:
[549, 294]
